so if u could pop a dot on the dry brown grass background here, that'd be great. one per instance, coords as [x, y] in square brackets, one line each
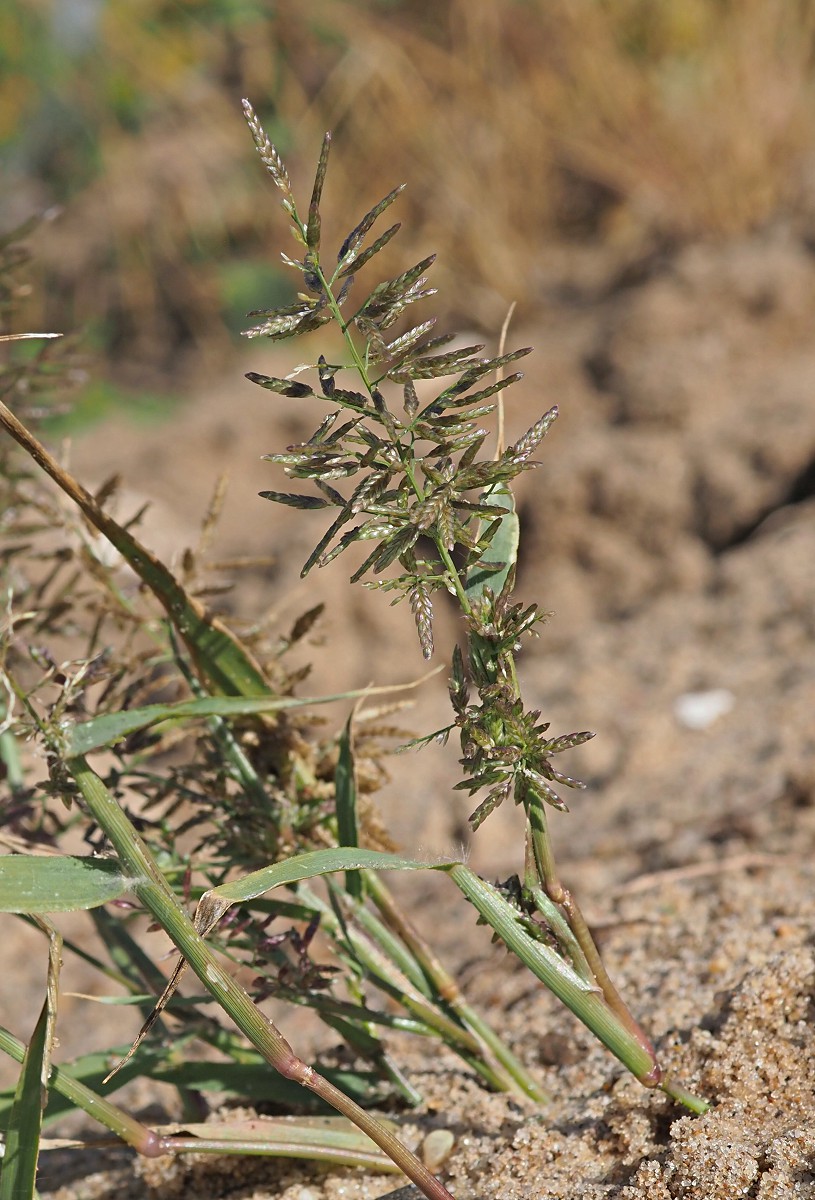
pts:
[527, 131]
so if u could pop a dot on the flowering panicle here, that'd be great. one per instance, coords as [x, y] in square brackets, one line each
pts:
[417, 470]
[405, 472]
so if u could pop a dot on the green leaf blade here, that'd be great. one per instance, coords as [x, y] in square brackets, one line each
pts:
[503, 549]
[19, 1174]
[345, 799]
[31, 883]
[581, 997]
[109, 728]
[313, 863]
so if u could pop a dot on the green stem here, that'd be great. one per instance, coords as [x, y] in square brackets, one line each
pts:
[455, 578]
[381, 954]
[602, 1009]
[559, 895]
[387, 940]
[287, 1147]
[612, 997]
[542, 849]
[117, 976]
[389, 979]
[331, 300]
[585, 1002]
[683, 1096]
[386, 974]
[567, 941]
[362, 371]
[155, 893]
[448, 990]
[283, 1139]
[131, 1131]
[10, 758]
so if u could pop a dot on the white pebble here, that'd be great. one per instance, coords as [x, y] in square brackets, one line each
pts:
[698, 710]
[436, 1148]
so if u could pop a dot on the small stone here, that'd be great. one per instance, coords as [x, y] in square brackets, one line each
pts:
[698, 710]
[436, 1148]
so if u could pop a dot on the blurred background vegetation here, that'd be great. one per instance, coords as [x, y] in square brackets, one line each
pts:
[530, 132]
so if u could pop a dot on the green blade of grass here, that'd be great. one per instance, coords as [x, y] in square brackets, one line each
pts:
[345, 799]
[31, 883]
[10, 758]
[321, 1139]
[109, 728]
[392, 946]
[70, 1083]
[251, 1080]
[136, 970]
[214, 903]
[18, 1177]
[445, 987]
[503, 548]
[577, 994]
[19, 1174]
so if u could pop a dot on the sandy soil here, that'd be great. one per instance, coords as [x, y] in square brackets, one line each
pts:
[670, 529]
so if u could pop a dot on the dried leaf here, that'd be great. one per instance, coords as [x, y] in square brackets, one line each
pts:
[319, 435]
[324, 541]
[326, 375]
[484, 393]
[493, 800]
[568, 741]
[304, 623]
[349, 399]
[478, 371]
[286, 325]
[540, 787]
[520, 451]
[399, 347]
[391, 315]
[360, 533]
[332, 493]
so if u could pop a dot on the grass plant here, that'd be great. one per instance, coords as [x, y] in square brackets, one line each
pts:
[244, 818]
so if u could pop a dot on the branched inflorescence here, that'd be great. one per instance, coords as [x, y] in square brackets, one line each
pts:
[417, 471]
